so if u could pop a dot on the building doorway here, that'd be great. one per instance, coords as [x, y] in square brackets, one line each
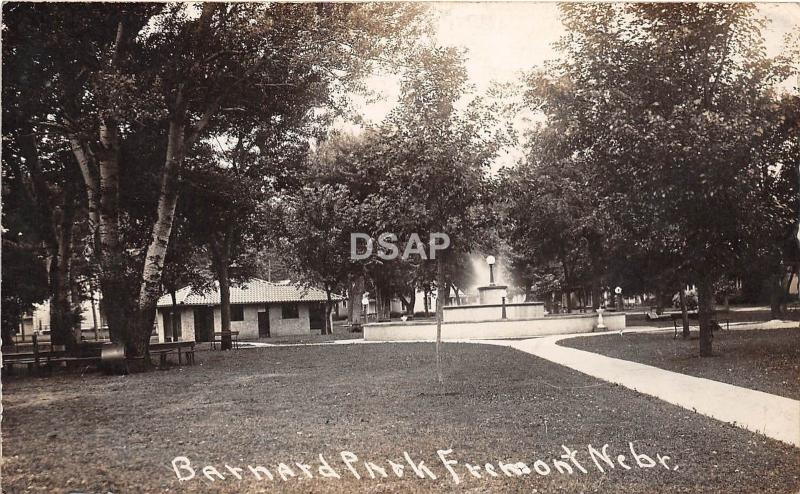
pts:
[316, 316]
[263, 324]
[203, 323]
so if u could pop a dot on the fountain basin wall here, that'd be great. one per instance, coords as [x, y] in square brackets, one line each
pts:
[492, 294]
[491, 329]
[491, 312]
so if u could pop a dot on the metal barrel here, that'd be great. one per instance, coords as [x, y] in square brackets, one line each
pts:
[112, 359]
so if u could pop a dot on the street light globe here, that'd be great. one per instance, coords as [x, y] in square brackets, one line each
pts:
[490, 260]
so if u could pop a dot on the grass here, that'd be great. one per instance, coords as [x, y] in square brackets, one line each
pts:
[766, 360]
[265, 406]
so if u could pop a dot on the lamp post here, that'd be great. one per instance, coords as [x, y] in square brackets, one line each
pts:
[490, 260]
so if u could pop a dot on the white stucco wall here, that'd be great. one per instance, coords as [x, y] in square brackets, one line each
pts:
[278, 326]
[187, 324]
[248, 328]
[399, 331]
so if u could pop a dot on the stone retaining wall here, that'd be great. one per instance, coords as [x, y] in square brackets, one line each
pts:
[491, 329]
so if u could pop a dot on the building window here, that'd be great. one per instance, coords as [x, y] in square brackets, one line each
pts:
[290, 311]
[237, 312]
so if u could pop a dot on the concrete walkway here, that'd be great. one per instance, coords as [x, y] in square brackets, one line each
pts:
[774, 416]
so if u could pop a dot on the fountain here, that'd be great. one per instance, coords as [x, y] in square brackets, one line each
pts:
[492, 304]
[493, 317]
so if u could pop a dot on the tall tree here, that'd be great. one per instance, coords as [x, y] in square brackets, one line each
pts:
[440, 158]
[673, 106]
[318, 222]
[113, 74]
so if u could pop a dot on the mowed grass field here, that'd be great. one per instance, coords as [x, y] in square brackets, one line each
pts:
[285, 410]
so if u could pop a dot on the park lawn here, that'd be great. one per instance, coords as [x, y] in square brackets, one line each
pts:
[765, 360]
[265, 406]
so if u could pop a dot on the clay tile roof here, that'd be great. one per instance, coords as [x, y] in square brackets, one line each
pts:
[253, 291]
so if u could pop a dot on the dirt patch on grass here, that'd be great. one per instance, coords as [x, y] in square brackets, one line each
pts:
[268, 406]
[765, 360]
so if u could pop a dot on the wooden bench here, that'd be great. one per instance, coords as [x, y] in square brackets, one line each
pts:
[218, 339]
[181, 347]
[39, 360]
[28, 358]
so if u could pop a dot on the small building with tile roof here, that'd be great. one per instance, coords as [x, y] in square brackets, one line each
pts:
[259, 309]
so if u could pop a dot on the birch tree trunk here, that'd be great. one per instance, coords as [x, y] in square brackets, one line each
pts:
[157, 249]
[88, 170]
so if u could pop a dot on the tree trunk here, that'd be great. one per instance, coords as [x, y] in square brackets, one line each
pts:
[441, 294]
[785, 296]
[455, 291]
[157, 250]
[378, 300]
[412, 302]
[328, 307]
[684, 311]
[55, 223]
[705, 299]
[225, 304]
[595, 247]
[100, 174]
[659, 302]
[119, 295]
[95, 321]
[174, 311]
[775, 296]
[567, 285]
[356, 294]
[67, 329]
[89, 173]
[387, 307]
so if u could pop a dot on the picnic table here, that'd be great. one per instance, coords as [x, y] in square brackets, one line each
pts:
[179, 347]
[218, 339]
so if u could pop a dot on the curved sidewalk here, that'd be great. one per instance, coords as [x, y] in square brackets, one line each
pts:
[774, 416]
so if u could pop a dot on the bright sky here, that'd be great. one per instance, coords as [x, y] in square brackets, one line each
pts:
[504, 38]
